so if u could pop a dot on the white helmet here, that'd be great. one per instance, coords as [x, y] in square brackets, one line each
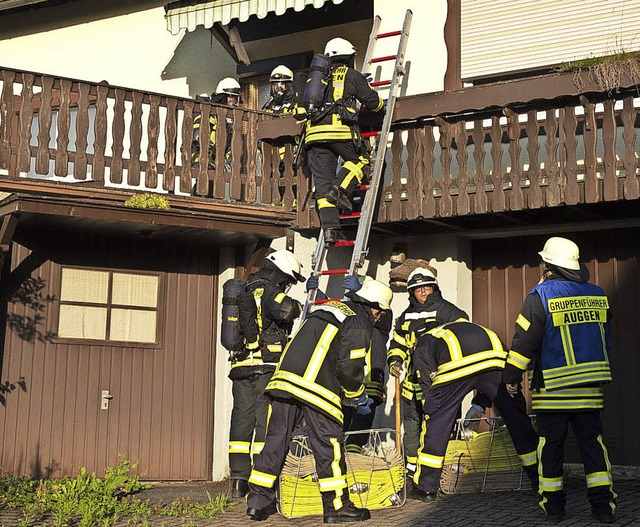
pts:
[281, 74]
[287, 263]
[339, 47]
[419, 277]
[228, 85]
[376, 292]
[561, 253]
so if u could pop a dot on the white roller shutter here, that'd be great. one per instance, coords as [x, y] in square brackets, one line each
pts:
[500, 36]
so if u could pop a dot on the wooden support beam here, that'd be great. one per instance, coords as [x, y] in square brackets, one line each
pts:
[221, 36]
[259, 252]
[238, 46]
[8, 228]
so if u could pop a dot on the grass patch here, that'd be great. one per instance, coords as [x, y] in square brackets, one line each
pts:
[89, 501]
[606, 72]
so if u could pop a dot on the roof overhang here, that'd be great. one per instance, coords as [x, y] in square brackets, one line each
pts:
[189, 14]
[193, 220]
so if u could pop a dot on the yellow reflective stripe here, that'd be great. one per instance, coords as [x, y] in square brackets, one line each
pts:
[527, 460]
[496, 343]
[338, 76]
[359, 353]
[523, 322]
[239, 447]
[275, 348]
[519, 361]
[262, 479]
[257, 447]
[323, 203]
[320, 352]
[585, 373]
[412, 460]
[570, 303]
[337, 472]
[279, 298]
[469, 370]
[598, 479]
[551, 484]
[400, 339]
[581, 316]
[354, 171]
[567, 345]
[603, 338]
[429, 460]
[312, 387]
[455, 350]
[471, 359]
[326, 484]
[310, 398]
[353, 395]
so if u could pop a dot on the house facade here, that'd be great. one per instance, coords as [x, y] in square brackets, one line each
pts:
[111, 343]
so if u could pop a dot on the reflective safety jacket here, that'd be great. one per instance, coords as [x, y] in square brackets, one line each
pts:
[276, 313]
[281, 105]
[455, 351]
[414, 322]
[324, 361]
[340, 124]
[375, 361]
[562, 336]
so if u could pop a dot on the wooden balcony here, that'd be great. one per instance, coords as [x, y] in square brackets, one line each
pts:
[514, 150]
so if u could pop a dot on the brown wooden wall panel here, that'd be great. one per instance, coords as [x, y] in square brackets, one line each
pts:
[504, 270]
[161, 414]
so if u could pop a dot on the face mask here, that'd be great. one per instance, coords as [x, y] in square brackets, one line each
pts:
[278, 89]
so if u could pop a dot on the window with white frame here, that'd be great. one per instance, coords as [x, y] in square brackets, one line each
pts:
[108, 305]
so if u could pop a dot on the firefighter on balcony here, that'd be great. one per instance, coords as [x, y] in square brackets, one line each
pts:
[282, 100]
[450, 361]
[427, 309]
[228, 93]
[562, 337]
[333, 133]
[250, 374]
[322, 366]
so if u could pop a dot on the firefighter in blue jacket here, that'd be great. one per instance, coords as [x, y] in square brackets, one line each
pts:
[251, 373]
[562, 338]
[336, 135]
[450, 361]
[322, 366]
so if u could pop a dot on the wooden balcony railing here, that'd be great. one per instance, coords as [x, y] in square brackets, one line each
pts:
[98, 135]
[520, 145]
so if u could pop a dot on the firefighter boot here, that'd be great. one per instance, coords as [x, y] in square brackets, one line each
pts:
[341, 198]
[331, 236]
[239, 488]
[348, 513]
[262, 514]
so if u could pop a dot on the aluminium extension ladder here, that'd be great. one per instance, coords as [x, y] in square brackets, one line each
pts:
[365, 216]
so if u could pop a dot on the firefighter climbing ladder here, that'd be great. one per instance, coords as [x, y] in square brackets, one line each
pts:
[365, 216]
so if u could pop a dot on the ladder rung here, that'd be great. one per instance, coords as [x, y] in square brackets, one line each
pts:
[390, 34]
[344, 243]
[380, 83]
[353, 215]
[334, 271]
[370, 134]
[383, 59]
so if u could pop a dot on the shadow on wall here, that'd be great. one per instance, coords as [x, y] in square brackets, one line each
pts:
[27, 326]
[201, 60]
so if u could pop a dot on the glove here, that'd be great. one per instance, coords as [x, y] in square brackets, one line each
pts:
[368, 76]
[312, 283]
[351, 282]
[474, 412]
[357, 401]
[365, 409]
[395, 369]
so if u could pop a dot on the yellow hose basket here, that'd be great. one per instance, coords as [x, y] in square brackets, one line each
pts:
[375, 478]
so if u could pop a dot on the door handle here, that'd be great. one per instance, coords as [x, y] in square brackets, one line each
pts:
[106, 397]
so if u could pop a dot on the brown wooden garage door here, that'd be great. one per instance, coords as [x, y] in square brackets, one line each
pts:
[505, 269]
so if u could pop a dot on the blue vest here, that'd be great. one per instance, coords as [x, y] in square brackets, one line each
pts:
[575, 346]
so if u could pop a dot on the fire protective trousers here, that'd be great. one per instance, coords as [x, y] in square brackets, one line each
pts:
[587, 427]
[323, 162]
[325, 439]
[250, 413]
